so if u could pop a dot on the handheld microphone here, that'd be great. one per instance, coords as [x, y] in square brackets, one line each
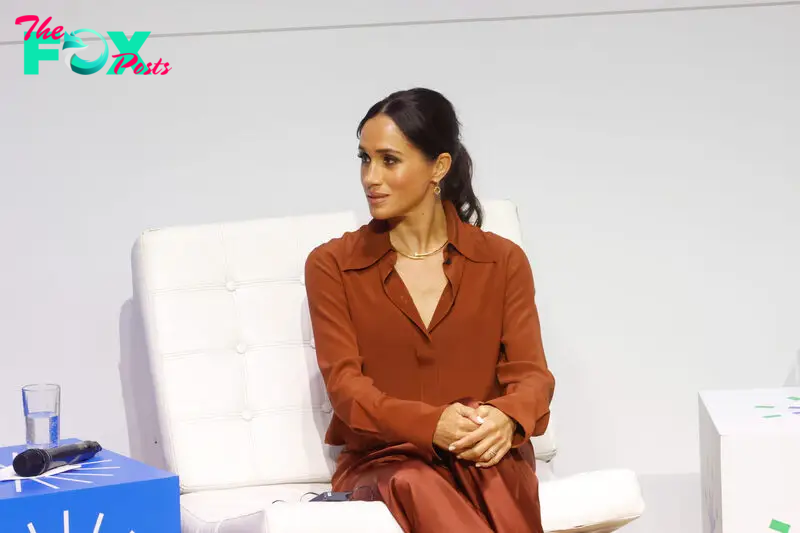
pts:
[37, 461]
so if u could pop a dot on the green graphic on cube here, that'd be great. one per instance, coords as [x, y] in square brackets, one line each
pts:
[780, 527]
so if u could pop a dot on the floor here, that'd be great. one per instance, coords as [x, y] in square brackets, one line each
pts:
[672, 505]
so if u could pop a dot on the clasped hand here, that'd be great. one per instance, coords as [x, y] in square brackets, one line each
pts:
[483, 435]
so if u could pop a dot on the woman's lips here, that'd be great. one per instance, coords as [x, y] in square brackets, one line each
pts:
[376, 198]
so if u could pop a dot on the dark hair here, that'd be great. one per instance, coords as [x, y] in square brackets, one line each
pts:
[429, 122]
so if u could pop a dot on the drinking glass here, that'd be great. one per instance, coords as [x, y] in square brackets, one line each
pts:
[42, 405]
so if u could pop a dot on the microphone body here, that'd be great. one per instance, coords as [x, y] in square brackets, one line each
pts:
[37, 461]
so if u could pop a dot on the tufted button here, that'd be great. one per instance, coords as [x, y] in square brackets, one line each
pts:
[231, 286]
[247, 416]
[241, 347]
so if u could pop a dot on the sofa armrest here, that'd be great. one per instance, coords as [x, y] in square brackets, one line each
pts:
[544, 446]
[592, 502]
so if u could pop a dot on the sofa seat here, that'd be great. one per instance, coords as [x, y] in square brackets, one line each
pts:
[610, 500]
[280, 508]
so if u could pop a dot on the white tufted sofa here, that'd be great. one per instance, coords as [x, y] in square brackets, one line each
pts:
[242, 408]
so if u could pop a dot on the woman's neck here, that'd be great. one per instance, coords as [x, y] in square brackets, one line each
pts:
[422, 230]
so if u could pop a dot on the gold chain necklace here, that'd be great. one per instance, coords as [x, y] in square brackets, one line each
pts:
[420, 255]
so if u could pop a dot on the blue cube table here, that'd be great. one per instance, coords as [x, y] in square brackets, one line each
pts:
[109, 493]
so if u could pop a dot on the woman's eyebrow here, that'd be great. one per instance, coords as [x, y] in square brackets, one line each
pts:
[381, 150]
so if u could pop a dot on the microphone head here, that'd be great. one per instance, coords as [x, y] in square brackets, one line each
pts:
[31, 462]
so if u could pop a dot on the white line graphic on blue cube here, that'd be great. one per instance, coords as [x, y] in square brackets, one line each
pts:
[32, 529]
[110, 493]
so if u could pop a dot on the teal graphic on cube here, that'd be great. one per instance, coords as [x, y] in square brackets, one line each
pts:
[109, 493]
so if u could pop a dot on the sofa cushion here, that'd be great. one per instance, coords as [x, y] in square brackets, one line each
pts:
[241, 510]
[229, 346]
[284, 508]
[280, 508]
[594, 502]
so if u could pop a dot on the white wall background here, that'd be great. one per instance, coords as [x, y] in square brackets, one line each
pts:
[653, 155]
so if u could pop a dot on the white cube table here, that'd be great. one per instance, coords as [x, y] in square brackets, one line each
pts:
[750, 460]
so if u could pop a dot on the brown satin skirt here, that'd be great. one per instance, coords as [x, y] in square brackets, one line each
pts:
[446, 494]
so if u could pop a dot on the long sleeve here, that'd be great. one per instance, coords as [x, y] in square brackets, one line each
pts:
[355, 399]
[522, 369]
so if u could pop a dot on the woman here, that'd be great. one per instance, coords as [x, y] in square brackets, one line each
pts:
[427, 336]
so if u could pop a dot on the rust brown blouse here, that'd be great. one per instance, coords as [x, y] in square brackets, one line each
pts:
[388, 377]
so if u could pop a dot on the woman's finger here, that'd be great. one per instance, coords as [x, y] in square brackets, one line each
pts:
[479, 450]
[472, 438]
[469, 413]
[490, 453]
[498, 454]
[464, 427]
[484, 410]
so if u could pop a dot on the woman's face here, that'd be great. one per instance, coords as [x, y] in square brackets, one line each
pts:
[397, 177]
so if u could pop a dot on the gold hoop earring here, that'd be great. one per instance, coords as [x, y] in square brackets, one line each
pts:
[437, 190]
